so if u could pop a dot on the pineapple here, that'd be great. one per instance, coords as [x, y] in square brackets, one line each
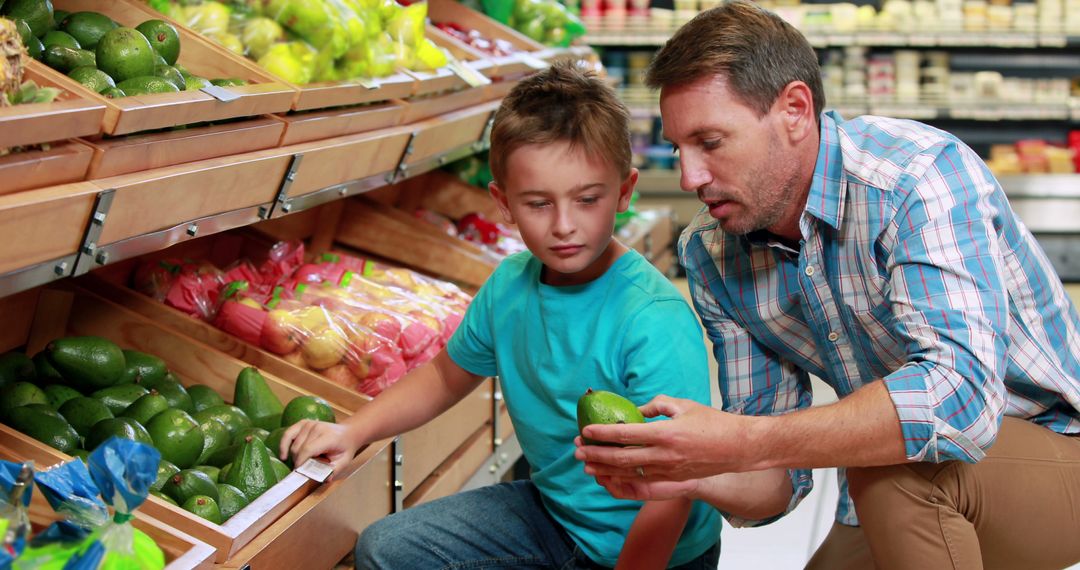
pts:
[12, 59]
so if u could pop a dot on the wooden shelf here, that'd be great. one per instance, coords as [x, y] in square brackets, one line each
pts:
[61, 163]
[70, 115]
[201, 57]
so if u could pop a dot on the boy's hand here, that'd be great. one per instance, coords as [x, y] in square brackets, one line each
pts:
[308, 438]
[645, 490]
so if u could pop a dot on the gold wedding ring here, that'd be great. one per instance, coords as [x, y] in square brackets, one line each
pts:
[641, 471]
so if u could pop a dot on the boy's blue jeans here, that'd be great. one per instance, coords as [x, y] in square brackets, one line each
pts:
[499, 526]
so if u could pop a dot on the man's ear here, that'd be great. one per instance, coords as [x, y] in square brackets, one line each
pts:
[795, 110]
[626, 190]
[501, 203]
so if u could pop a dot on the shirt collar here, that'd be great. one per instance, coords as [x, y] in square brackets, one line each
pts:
[825, 200]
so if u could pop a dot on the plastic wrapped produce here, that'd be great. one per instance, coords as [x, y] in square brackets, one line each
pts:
[16, 486]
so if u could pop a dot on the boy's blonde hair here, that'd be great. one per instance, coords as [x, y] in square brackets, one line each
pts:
[562, 103]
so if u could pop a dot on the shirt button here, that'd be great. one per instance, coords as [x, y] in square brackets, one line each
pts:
[833, 337]
[809, 270]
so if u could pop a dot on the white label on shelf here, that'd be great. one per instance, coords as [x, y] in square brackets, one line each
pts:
[1053, 40]
[471, 76]
[924, 40]
[366, 83]
[219, 93]
[531, 61]
[315, 470]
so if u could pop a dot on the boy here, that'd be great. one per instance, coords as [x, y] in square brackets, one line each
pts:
[577, 311]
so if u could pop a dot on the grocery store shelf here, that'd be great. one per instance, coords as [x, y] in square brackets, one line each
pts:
[1027, 186]
[497, 465]
[654, 37]
[930, 110]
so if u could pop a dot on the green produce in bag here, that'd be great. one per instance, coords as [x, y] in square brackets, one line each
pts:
[121, 471]
[622, 218]
[15, 490]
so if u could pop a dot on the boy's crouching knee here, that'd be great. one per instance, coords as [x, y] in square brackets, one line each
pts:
[375, 545]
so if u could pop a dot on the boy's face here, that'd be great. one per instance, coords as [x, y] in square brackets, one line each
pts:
[564, 204]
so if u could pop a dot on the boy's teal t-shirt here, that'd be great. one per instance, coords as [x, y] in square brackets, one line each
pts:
[629, 332]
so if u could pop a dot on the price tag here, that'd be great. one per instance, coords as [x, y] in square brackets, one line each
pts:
[315, 470]
[531, 60]
[367, 83]
[469, 75]
[219, 93]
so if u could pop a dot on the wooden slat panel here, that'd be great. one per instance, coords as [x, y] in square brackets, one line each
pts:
[421, 108]
[396, 235]
[68, 117]
[450, 131]
[43, 224]
[330, 162]
[18, 311]
[449, 477]
[62, 163]
[159, 199]
[445, 193]
[426, 447]
[124, 155]
[318, 125]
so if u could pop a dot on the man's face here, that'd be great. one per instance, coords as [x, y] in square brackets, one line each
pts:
[737, 162]
[564, 204]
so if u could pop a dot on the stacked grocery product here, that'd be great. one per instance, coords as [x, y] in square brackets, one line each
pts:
[546, 21]
[85, 535]
[361, 324]
[215, 457]
[306, 41]
[494, 238]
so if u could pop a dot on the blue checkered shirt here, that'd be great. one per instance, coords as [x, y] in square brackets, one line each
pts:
[913, 269]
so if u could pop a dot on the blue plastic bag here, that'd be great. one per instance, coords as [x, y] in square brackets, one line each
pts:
[15, 491]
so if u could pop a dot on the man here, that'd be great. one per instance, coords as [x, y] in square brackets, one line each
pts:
[881, 256]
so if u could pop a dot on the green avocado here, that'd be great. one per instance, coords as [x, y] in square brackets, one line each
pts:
[163, 38]
[58, 394]
[601, 407]
[175, 394]
[205, 507]
[232, 500]
[64, 59]
[215, 438]
[16, 367]
[172, 75]
[307, 408]
[84, 413]
[147, 85]
[38, 14]
[58, 38]
[20, 394]
[44, 427]
[87, 362]
[212, 472]
[194, 83]
[146, 407]
[87, 27]
[44, 370]
[177, 436]
[252, 472]
[93, 78]
[118, 398]
[228, 82]
[125, 428]
[253, 395]
[164, 497]
[142, 368]
[203, 397]
[124, 54]
[113, 93]
[187, 483]
[273, 441]
[255, 432]
[234, 418]
[165, 471]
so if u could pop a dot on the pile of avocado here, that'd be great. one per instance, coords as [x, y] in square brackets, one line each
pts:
[215, 457]
[102, 55]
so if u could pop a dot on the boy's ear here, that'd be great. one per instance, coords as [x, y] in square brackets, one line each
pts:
[500, 201]
[626, 189]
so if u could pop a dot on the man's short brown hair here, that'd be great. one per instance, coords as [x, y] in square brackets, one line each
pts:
[756, 51]
[562, 103]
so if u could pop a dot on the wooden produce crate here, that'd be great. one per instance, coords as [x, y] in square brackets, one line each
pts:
[78, 312]
[153, 209]
[60, 163]
[47, 226]
[182, 551]
[309, 126]
[456, 470]
[532, 52]
[70, 115]
[201, 57]
[443, 192]
[385, 231]
[139, 152]
[447, 132]
[492, 67]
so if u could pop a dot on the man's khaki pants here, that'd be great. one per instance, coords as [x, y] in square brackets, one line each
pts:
[1018, 508]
